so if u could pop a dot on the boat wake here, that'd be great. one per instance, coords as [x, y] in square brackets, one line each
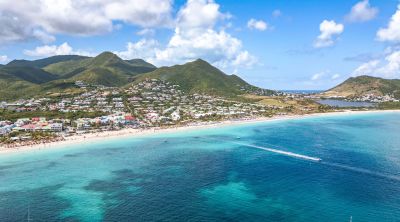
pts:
[286, 153]
[319, 160]
[362, 171]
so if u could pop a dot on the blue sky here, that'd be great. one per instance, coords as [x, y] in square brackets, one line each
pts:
[277, 44]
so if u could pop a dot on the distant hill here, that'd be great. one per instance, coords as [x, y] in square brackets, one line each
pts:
[28, 73]
[40, 63]
[105, 69]
[201, 77]
[362, 85]
[24, 78]
[57, 75]
[141, 63]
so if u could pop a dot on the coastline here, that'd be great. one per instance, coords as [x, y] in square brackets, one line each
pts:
[92, 137]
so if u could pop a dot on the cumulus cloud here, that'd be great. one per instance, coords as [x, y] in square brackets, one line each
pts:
[145, 48]
[328, 29]
[362, 12]
[257, 24]
[392, 32]
[52, 50]
[4, 59]
[199, 14]
[195, 37]
[366, 68]
[387, 67]
[26, 19]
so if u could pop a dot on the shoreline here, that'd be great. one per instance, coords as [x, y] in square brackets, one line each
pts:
[92, 137]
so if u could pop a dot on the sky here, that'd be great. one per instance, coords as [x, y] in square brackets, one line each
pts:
[275, 44]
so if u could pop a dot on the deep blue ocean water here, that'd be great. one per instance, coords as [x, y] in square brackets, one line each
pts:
[213, 175]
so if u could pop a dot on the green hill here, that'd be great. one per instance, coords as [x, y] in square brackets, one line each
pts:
[201, 77]
[41, 63]
[141, 63]
[12, 87]
[56, 75]
[28, 73]
[105, 69]
[362, 85]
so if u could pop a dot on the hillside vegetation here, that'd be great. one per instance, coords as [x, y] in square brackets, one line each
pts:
[200, 77]
[363, 85]
[57, 76]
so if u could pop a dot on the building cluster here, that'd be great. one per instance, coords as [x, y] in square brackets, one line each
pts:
[375, 98]
[147, 104]
[35, 124]
[157, 102]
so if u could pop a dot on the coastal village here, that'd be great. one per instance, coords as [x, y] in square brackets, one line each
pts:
[149, 104]
[152, 103]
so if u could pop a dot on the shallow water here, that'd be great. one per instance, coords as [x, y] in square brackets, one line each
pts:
[216, 175]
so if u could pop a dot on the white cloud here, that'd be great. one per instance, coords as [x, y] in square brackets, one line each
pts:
[257, 24]
[335, 76]
[149, 13]
[366, 68]
[146, 31]
[52, 50]
[318, 76]
[276, 13]
[325, 77]
[387, 67]
[392, 32]
[43, 36]
[362, 12]
[391, 68]
[199, 14]
[144, 48]
[195, 37]
[328, 29]
[4, 59]
[27, 19]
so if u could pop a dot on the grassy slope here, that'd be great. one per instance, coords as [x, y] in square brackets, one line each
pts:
[105, 69]
[361, 85]
[198, 77]
[23, 78]
[29, 74]
[41, 63]
[140, 63]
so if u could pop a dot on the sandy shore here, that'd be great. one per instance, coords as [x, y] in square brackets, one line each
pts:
[93, 137]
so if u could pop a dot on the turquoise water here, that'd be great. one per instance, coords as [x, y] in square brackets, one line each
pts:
[213, 175]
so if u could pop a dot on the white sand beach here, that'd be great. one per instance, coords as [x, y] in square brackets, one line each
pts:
[92, 137]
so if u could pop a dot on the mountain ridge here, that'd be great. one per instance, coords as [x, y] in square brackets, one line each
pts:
[200, 77]
[59, 73]
[363, 85]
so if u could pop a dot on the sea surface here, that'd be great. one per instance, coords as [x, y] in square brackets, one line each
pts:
[301, 91]
[236, 173]
[343, 103]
